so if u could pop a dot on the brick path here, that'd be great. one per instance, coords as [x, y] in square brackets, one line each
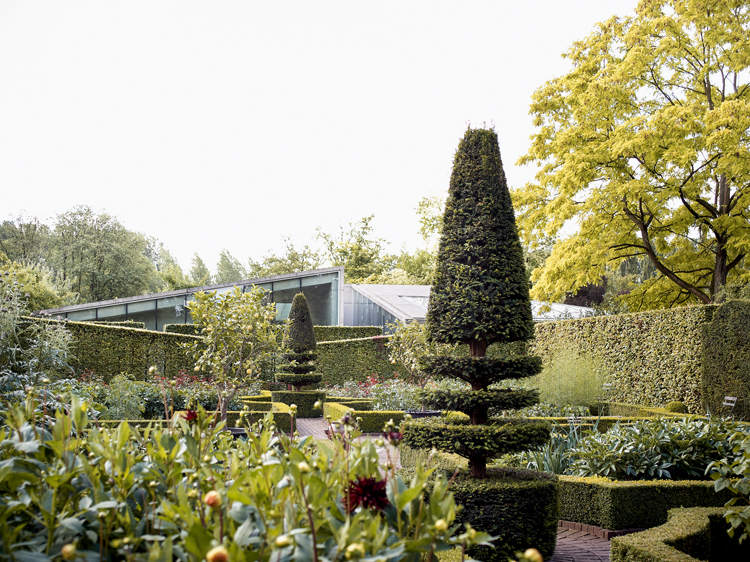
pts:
[572, 545]
[579, 546]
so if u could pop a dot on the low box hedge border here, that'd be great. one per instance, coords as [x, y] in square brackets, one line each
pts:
[362, 404]
[264, 396]
[304, 400]
[369, 421]
[633, 504]
[690, 534]
[635, 411]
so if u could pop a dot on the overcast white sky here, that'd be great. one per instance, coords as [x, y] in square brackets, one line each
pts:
[231, 124]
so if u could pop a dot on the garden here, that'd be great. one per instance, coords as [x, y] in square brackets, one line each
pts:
[114, 441]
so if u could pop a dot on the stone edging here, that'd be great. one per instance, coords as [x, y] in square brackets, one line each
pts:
[594, 530]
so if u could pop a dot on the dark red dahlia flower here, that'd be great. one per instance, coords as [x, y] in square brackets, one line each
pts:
[393, 437]
[368, 493]
[190, 415]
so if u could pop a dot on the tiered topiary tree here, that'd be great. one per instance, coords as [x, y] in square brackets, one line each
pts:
[480, 297]
[300, 342]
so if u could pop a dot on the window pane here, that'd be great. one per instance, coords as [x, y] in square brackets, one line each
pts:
[82, 315]
[170, 311]
[283, 295]
[112, 313]
[322, 297]
[145, 312]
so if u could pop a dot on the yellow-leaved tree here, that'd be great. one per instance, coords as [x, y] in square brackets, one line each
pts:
[644, 145]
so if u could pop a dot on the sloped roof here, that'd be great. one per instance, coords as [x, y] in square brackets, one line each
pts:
[409, 302]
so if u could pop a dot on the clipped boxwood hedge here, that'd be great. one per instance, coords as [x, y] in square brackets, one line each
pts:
[341, 361]
[184, 329]
[372, 421]
[634, 504]
[518, 506]
[361, 404]
[689, 534]
[650, 358]
[335, 333]
[304, 400]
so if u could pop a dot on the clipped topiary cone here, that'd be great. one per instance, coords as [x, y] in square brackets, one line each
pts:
[300, 340]
[480, 297]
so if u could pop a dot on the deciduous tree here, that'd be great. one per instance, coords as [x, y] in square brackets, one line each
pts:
[238, 331]
[644, 145]
[99, 257]
[229, 269]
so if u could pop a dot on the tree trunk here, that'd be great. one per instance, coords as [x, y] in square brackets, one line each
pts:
[477, 465]
[478, 348]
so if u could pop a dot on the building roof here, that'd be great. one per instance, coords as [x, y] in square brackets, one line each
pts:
[409, 302]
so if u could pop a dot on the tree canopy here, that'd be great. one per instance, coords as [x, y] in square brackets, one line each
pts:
[644, 145]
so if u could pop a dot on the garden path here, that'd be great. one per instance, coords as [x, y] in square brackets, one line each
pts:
[579, 546]
[572, 545]
[317, 426]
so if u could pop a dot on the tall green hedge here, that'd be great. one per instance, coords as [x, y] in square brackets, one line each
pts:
[339, 361]
[650, 358]
[110, 350]
[726, 358]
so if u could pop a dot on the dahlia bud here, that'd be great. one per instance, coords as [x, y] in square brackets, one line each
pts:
[355, 550]
[212, 499]
[218, 554]
[303, 467]
[69, 552]
[441, 525]
[283, 540]
[533, 554]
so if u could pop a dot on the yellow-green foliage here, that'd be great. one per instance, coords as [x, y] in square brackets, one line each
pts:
[689, 534]
[649, 358]
[625, 505]
[369, 421]
[568, 379]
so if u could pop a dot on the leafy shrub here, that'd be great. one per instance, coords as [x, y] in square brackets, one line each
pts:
[554, 457]
[734, 475]
[677, 407]
[654, 448]
[123, 400]
[192, 493]
[30, 350]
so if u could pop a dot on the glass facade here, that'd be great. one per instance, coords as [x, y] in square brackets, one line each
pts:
[144, 311]
[170, 311]
[321, 290]
[367, 313]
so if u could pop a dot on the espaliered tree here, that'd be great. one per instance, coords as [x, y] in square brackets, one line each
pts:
[480, 297]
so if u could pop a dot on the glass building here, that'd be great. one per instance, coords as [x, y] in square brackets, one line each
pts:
[321, 287]
[332, 303]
